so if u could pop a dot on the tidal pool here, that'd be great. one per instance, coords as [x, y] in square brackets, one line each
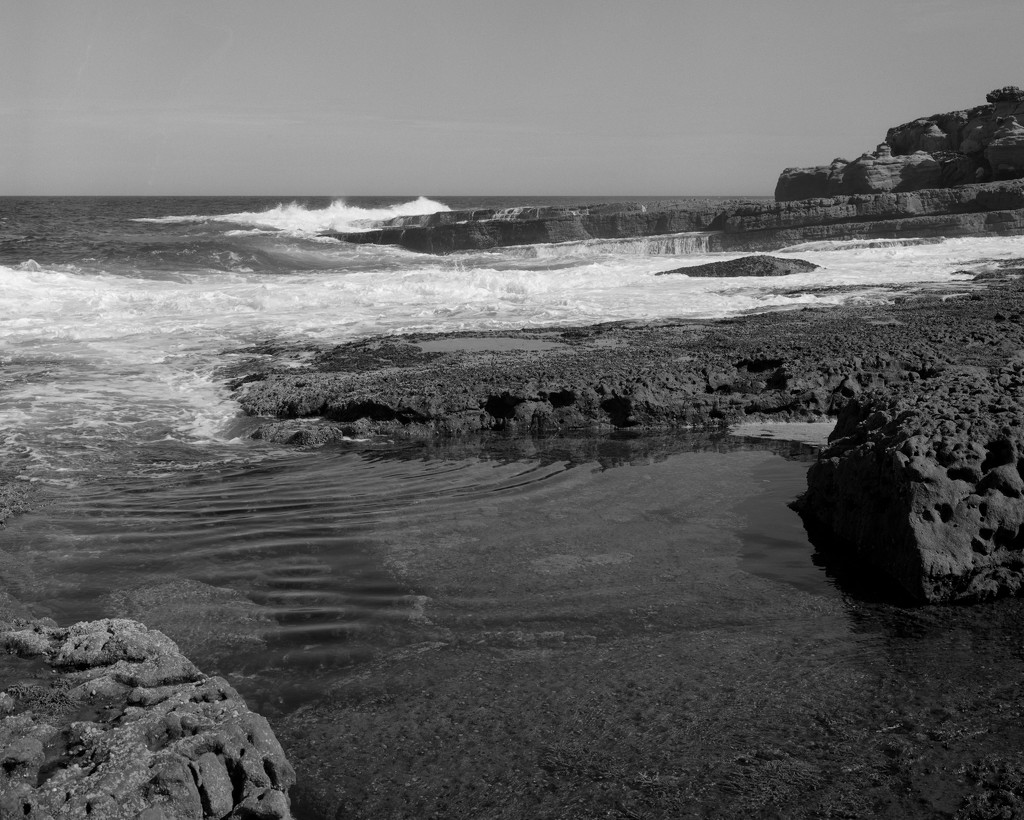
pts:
[560, 628]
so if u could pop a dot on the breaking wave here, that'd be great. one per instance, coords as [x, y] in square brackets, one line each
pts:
[295, 218]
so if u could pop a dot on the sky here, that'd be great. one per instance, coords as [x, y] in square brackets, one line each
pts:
[464, 97]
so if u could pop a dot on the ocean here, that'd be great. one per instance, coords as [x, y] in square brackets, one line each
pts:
[124, 320]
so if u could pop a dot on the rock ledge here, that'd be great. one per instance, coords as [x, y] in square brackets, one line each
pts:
[107, 719]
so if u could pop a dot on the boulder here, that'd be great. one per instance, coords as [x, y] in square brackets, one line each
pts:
[926, 485]
[880, 172]
[759, 265]
[809, 183]
[108, 720]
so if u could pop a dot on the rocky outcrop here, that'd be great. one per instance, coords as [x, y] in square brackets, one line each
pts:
[928, 486]
[1005, 153]
[873, 173]
[923, 481]
[972, 210]
[939, 151]
[735, 226]
[450, 231]
[801, 365]
[108, 720]
[811, 182]
[747, 266]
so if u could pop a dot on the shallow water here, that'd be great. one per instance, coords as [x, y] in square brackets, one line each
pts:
[643, 608]
[122, 320]
[637, 627]
[317, 548]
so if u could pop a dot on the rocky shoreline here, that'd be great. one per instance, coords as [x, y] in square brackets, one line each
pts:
[940, 366]
[107, 719]
[733, 226]
[921, 485]
[922, 477]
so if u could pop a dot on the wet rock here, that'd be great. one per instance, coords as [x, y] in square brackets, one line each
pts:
[118, 723]
[203, 620]
[450, 231]
[969, 210]
[926, 485]
[759, 265]
[795, 366]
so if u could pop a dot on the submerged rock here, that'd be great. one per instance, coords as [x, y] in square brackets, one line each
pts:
[203, 620]
[759, 265]
[927, 486]
[108, 720]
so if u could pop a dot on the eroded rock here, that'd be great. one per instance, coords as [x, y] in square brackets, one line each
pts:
[927, 485]
[943, 150]
[109, 720]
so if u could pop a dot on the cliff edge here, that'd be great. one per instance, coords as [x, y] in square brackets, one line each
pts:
[980, 144]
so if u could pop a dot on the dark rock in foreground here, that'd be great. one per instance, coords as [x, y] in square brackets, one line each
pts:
[108, 720]
[747, 266]
[928, 485]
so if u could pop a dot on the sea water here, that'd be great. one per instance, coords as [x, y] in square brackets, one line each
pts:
[119, 317]
[123, 322]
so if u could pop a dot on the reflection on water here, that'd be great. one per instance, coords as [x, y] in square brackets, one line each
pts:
[271, 569]
[538, 612]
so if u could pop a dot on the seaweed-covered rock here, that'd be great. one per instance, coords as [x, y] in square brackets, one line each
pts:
[107, 719]
[757, 265]
[927, 485]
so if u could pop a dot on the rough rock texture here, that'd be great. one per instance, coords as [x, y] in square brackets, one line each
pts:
[928, 486]
[871, 173]
[812, 182]
[107, 719]
[15, 497]
[1005, 153]
[795, 365]
[938, 151]
[747, 266]
[925, 481]
[880, 171]
[449, 231]
[969, 210]
[736, 226]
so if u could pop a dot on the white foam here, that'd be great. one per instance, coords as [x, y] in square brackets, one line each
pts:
[296, 219]
[93, 356]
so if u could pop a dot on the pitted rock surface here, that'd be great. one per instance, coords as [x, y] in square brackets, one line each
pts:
[927, 485]
[790, 366]
[108, 720]
[923, 482]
